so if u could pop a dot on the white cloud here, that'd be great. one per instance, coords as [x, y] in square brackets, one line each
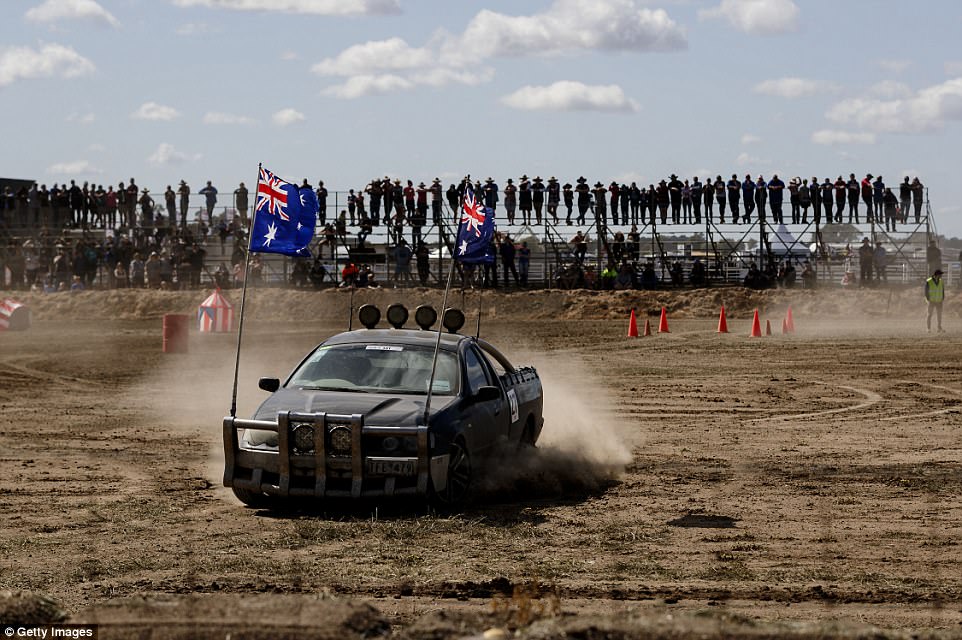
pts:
[289, 55]
[757, 17]
[750, 138]
[567, 95]
[745, 159]
[20, 63]
[97, 147]
[376, 57]
[953, 68]
[792, 87]
[154, 111]
[54, 10]
[75, 168]
[217, 117]
[832, 137]
[166, 154]
[311, 7]
[286, 117]
[567, 26]
[366, 85]
[926, 110]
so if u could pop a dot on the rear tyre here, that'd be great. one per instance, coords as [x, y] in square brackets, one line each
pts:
[527, 441]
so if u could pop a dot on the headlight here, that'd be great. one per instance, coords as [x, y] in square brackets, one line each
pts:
[303, 438]
[340, 440]
[390, 443]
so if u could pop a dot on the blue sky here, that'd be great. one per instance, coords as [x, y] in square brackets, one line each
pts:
[346, 90]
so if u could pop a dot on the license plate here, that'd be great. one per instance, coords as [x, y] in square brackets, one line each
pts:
[381, 467]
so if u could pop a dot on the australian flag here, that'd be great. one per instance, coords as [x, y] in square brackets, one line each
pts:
[476, 231]
[284, 217]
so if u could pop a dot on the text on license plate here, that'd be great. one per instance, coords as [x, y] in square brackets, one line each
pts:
[391, 467]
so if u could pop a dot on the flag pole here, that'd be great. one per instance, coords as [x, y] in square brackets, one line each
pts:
[240, 324]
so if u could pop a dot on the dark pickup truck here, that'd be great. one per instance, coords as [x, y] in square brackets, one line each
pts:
[350, 421]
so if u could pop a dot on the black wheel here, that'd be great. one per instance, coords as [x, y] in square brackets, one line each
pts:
[527, 438]
[460, 475]
[252, 499]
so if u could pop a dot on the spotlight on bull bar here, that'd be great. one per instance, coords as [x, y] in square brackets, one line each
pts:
[425, 316]
[397, 315]
[369, 315]
[453, 319]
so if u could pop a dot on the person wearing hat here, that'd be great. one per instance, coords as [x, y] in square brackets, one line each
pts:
[373, 190]
[584, 198]
[567, 192]
[537, 197]
[878, 197]
[793, 199]
[866, 262]
[241, 202]
[918, 194]
[524, 199]
[615, 193]
[934, 295]
[510, 199]
[734, 195]
[437, 201]
[147, 207]
[554, 198]
[490, 191]
[601, 204]
[675, 187]
[184, 192]
[321, 193]
[852, 189]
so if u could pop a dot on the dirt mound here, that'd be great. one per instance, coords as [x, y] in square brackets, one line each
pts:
[24, 608]
[334, 304]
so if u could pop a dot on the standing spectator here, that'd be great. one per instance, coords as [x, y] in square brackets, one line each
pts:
[75, 197]
[437, 201]
[852, 188]
[866, 262]
[685, 205]
[584, 198]
[170, 200]
[420, 217]
[510, 200]
[934, 295]
[44, 197]
[761, 195]
[409, 194]
[508, 251]
[696, 198]
[891, 206]
[184, 191]
[613, 191]
[490, 193]
[454, 201]
[708, 193]
[241, 202]
[402, 262]
[866, 186]
[33, 205]
[569, 199]
[905, 200]
[151, 270]
[524, 263]
[634, 201]
[210, 199]
[734, 188]
[624, 196]
[663, 199]
[648, 201]
[918, 195]
[674, 198]
[881, 262]
[804, 199]
[748, 195]
[196, 259]
[776, 195]
[840, 188]
[133, 197]
[815, 191]
[524, 199]
[878, 197]
[554, 198]
[351, 204]
[361, 211]
[720, 198]
[374, 192]
[793, 185]
[147, 207]
[537, 197]
[423, 257]
[828, 191]
[110, 207]
[321, 193]
[601, 206]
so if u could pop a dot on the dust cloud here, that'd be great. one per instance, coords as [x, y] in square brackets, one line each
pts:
[582, 448]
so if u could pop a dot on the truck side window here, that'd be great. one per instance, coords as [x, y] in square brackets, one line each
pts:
[477, 376]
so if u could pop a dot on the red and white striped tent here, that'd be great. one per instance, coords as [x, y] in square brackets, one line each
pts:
[14, 316]
[215, 314]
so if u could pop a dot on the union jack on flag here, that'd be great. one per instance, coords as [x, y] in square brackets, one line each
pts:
[284, 217]
[475, 232]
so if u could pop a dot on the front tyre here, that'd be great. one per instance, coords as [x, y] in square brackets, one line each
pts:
[253, 499]
[460, 475]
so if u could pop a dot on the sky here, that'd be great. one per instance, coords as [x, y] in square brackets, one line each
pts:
[349, 90]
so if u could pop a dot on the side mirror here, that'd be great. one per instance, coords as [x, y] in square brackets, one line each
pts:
[269, 384]
[487, 393]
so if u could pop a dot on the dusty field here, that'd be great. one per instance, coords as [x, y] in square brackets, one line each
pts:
[686, 483]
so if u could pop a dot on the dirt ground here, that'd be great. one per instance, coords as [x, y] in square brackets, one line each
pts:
[686, 484]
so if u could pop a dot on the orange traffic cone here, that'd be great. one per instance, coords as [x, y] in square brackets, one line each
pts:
[768, 327]
[790, 321]
[663, 323]
[756, 327]
[784, 326]
[647, 327]
[632, 325]
[722, 321]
